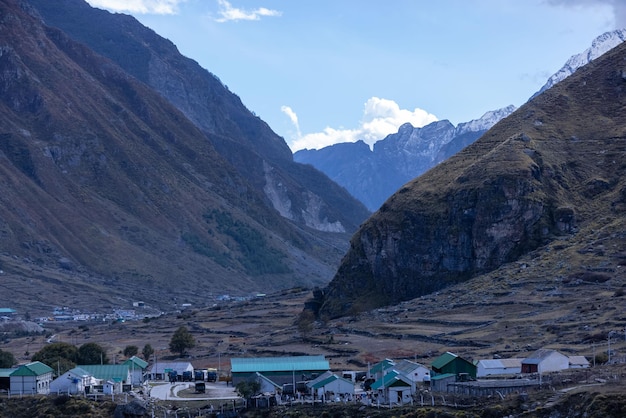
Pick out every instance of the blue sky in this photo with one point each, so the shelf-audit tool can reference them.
(326, 71)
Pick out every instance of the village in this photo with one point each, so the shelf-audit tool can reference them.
(284, 380)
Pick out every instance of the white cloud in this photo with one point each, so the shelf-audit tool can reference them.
(618, 6)
(163, 7)
(229, 13)
(293, 117)
(381, 117)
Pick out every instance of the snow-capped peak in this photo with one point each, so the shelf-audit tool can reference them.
(486, 121)
(599, 46)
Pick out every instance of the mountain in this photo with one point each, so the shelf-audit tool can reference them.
(545, 187)
(298, 192)
(374, 175)
(111, 194)
(599, 46)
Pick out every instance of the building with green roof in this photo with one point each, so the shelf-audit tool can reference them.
(30, 379)
(395, 388)
(138, 369)
(449, 363)
(280, 370)
(116, 375)
(330, 386)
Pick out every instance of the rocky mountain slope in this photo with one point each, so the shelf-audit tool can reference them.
(298, 192)
(110, 194)
(374, 175)
(554, 169)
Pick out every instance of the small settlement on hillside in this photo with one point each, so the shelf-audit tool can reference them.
(308, 378)
(398, 382)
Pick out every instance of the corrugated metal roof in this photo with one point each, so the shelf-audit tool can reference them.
(382, 366)
(164, 367)
(505, 363)
(6, 372)
(443, 359)
(540, 355)
(392, 378)
(407, 366)
(278, 364)
(578, 361)
(139, 363)
(35, 368)
(109, 372)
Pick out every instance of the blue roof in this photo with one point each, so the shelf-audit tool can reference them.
(278, 364)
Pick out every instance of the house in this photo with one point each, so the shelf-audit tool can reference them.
(415, 372)
(137, 369)
(331, 386)
(578, 362)
(280, 370)
(116, 375)
(545, 361)
(440, 382)
(381, 368)
(72, 382)
(32, 378)
(449, 363)
(394, 388)
(160, 370)
(498, 367)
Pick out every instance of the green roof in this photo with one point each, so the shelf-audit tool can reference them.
(137, 362)
(443, 376)
(112, 372)
(35, 368)
(391, 379)
(278, 364)
(443, 359)
(382, 366)
(6, 372)
(7, 311)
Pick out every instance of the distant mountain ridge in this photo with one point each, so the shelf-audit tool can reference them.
(545, 186)
(599, 46)
(374, 175)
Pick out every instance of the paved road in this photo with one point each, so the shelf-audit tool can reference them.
(217, 390)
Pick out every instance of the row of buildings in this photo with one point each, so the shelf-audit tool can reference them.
(397, 382)
(38, 378)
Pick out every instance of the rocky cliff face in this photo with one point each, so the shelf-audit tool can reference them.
(374, 175)
(237, 134)
(554, 168)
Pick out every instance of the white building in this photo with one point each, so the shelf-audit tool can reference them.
(545, 361)
(160, 370)
(72, 382)
(415, 372)
(498, 367)
(32, 378)
(329, 386)
(578, 362)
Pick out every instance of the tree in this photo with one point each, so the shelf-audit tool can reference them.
(60, 356)
(248, 388)
(147, 352)
(92, 353)
(181, 341)
(7, 360)
(131, 350)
